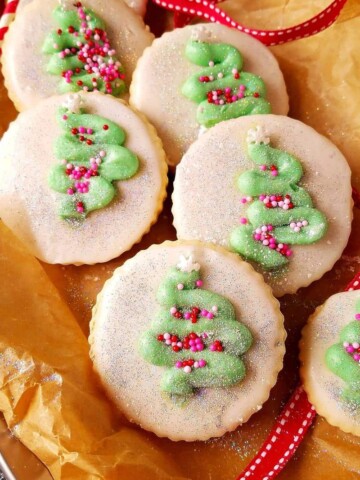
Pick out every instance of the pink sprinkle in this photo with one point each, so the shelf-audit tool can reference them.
(178, 364)
(199, 283)
(204, 313)
(102, 154)
(240, 95)
(89, 131)
(242, 87)
(180, 286)
(350, 349)
(173, 310)
(243, 200)
(70, 191)
(212, 347)
(193, 348)
(262, 198)
(187, 315)
(274, 173)
(257, 236)
(243, 220)
(199, 347)
(65, 117)
(81, 129)
(263, 168)
(210, 315)
(270, 228)
(357, 316)
(202, 363)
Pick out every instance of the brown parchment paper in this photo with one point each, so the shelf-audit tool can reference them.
(49, 396)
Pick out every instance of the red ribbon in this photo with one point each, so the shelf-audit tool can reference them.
(209, 11)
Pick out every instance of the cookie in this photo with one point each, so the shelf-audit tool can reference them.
(55, 48)
(83, 178)
(271, 189)
(330, 356)
(194, 77)
(187, 340)
(139, 6)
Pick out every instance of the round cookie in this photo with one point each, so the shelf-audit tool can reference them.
(83, 178)
(330, 355)
(139, 6)
(174, 77)
(271, 189)
(185, 328)
(56, 47)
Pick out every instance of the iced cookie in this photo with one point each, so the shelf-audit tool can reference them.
(69, 46)
(271, 189)
(139, 6)
(330, 356)
(187, 340)
(194, 77)
(83, 177)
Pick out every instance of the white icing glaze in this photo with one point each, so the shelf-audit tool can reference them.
(138, 5)
(123, 311)
(209, 171)
(24, 64)
(324, 387)
(163, 68)
(30, 208)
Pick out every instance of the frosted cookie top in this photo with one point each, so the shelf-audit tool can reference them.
(264, 186)
(330, 355)
(56, 47)
(194, 77)
(83, 178)
(185, 328)
(139, 6)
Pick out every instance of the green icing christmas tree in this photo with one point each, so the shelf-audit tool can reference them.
(281, 212)
(92, 159)
(80, 52)
(343, 358)
(222, 90)
(195, 335)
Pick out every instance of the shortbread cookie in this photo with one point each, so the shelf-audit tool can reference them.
(271, 189)
(139, 6)
(69, 46)
(194, 77)
(83, 177)
(330, 355)
(187, 340)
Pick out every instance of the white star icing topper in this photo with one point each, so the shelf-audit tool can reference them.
(258, 135)
(73, 102)
(200, 33)
(187, 264)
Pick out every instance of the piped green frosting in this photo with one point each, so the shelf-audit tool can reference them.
(80, 53)
(222, 368)
(277, 174)
(343, 358)
(221, 89)
(86, 174)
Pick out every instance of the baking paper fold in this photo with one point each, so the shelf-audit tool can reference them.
(49, 395)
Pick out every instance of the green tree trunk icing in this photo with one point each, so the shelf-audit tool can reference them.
(220, 88)
(93, 157)
(281, 212)
(206, 320)
(81, 54)
(343, 358)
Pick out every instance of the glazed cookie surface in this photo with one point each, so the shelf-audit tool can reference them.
(55, 47)
(196, 76)
(330, 355)
(83, 178)
(139, 6)
(264, 186)
(187, 340)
